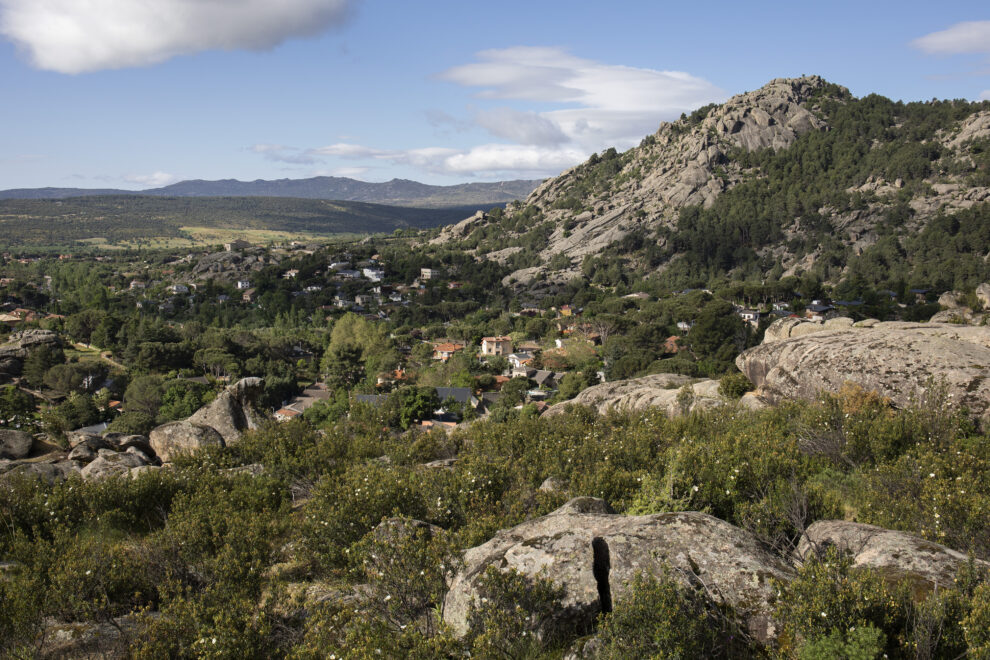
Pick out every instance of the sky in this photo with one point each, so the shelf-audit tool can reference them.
(142, 93)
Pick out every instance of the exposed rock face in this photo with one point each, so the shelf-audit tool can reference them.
(170, 440)
(894, 554)
(109, 463)
(19, 345)
(15, 444)
(233, 411)
(983, 294)
(571, 547)
(892, 358)
(660, 390)
(794, 326)
(48, 471)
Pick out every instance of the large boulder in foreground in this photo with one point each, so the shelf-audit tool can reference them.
(232, 412)
(592, 555)
(893, 359)
(185, 437)
(895, 555)
(15, 444)
(657, 390)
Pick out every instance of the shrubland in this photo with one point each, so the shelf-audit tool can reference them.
(201, 551)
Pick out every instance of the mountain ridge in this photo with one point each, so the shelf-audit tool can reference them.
(396, 192)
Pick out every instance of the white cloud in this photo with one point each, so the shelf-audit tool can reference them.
(482, 160)
(612, 105)
(591, 106)
(493, 159)
(78, 36)
(155, 180)
(985, 95)
(966, 37)
(521, 127)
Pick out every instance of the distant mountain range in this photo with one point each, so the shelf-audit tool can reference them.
(397, 192)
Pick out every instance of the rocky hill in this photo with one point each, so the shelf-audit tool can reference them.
(795, 176)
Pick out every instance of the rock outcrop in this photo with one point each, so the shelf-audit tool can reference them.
(17, 347)
(893, 359)
(176, 438)
(109, 463)
(895, 555)
(660, 390)
(983, 295)
(15, 444)
(219, 423)
(233, 411)
(593, 555)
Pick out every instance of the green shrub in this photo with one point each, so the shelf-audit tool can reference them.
(346, 507)
(733, 386)
(658, 618)
(514, 616)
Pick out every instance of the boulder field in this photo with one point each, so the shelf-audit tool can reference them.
(96, 457)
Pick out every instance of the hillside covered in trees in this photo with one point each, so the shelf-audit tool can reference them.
(798, 177)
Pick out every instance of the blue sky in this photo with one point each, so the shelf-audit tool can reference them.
(121, 93)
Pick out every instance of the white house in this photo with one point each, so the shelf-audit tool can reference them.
(373, 274)
(178, 288)
(243, 285)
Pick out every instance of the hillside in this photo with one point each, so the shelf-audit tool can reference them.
(798, 176)
(127, 219)
(397, 192)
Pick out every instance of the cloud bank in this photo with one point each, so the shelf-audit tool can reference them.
(966, 37)
(80, 36)
(597, 106)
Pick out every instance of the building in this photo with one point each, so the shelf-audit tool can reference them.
(520, 360)
(444, 351)
(751, 316)
(429, 273)
(496, 346)
(177, 289)
(235, 245)
(373, 274)
(137, 285)
(243, 284)
(290, 274)
(248, 296)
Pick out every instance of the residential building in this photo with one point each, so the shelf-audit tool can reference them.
(429, 273)
(496, 345)
(445, 350)
(518, 360)
(373, 274)
(243, 284)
